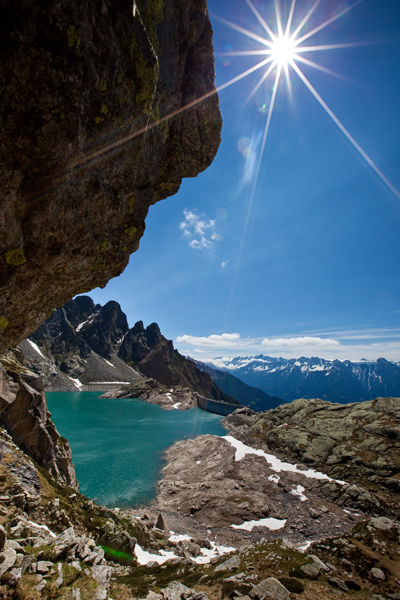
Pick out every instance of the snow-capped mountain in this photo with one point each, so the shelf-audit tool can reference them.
(315, 377)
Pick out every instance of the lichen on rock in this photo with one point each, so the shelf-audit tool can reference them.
(94, 130)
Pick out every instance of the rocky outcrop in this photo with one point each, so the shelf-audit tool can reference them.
(179, 398)
(24, 415)
(252, 494)
(359, 442)
(103, 111)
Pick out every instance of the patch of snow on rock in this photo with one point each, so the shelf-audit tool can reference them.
(36, 348)
(299, 492)
(76, 382)
(271, 523)
(276, 464)
(145, 557)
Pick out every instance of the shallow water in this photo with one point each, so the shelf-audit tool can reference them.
(118, 445)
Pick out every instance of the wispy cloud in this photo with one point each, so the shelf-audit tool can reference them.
(223, 264)
(198, 230)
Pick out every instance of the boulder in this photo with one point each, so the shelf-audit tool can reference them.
(271, 589)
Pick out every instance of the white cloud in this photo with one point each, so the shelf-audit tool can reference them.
(348, 345)
(299, 342)
(198, 230)
(225, 340)
(223, 264)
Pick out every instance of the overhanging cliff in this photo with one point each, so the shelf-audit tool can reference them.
(85, 144)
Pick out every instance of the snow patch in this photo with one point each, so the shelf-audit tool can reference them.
(36, 348)
(32, 524)
(108, 382)
(179, 537)
(276, 464)
(108, 362)
(274, 478)
(299, 492)
(175, 406)
(144, 557)
(303, 547)
(271, 523)
(76, 382)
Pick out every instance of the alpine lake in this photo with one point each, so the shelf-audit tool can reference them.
(118, 445)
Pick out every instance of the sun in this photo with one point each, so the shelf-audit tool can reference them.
(283, 50)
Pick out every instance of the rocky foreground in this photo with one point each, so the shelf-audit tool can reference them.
(289, 503)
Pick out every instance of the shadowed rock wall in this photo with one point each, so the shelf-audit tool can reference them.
(24, 414)
(83, 155)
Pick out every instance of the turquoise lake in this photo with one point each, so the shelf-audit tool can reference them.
(118, 445)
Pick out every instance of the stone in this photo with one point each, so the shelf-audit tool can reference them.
(44, 566)
(338, 583)
(161, 523)
(40, 586)
(60, 579)
(176, 591)
(382, 523)
(270, 588)
(10, 556)
(319, 562)
(15, 576)
(378, 574)
(311, 571)
(228, 565)
(3, 537)
(154, 596)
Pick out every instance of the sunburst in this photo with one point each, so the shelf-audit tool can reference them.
(282, 50)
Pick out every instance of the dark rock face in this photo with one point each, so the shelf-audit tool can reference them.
(93, 343)
(24, 415)
(87, 144)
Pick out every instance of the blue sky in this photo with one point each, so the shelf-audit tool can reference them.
(315, 272)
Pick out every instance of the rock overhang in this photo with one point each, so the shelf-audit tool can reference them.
(87, 141)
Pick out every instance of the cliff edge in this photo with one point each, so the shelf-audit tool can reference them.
(94, 130)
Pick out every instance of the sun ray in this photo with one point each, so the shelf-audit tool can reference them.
(244, 53)
(253, 191)
(305, 20)
(244, 31)
(263, 78)
(278, 19)
(290, 18)
(261, 20)
(314, 65)
(288, 82)
(330, 47)
(345, 131)
(328, 22)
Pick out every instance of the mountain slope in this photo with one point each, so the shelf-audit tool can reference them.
(255, 398)
(88, 346)
(335, 381)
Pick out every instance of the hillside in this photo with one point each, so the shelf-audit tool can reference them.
(334, 380)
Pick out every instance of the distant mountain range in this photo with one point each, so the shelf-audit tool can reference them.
(90, 347)
(315, 377)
